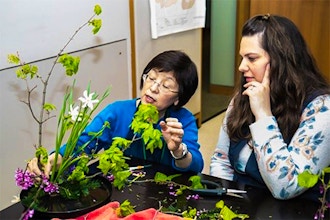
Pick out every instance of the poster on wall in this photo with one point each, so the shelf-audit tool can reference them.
(173, 16)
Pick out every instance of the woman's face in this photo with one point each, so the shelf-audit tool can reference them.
(254, 58)
(160, 89)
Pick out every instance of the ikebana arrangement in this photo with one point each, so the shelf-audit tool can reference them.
(70, 180)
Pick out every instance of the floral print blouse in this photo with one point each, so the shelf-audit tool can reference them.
(279, 164)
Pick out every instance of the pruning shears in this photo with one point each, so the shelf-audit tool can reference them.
(214, 189)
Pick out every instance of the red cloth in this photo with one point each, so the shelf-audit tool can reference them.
(108, 212)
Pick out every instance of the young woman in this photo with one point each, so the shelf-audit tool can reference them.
(167, 82)
(278, 122)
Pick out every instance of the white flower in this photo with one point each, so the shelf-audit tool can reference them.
(16, 199)
(74, 112)
(87, 100)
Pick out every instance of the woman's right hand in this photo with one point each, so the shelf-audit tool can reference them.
(33, 167)
(259, 96)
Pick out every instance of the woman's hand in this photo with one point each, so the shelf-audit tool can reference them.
(172, 132)
(259, 96)
(33, 167)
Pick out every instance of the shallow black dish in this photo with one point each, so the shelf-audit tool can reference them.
(62, 208)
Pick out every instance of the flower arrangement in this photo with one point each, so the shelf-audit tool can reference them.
(69, 178)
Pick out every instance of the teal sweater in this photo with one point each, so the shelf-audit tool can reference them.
(120, 115)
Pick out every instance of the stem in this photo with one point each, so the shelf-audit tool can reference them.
(323, 207)
(45, 82)
(28, 103)
(31, 205)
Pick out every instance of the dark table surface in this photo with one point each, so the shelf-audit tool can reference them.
(257, 203)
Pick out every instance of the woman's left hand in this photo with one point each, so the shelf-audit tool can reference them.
(259, 96)
(172, 133)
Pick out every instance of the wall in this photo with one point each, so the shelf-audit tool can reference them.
(107, 63)
(310, 16)
(312, 19)
(39, 28)
(146, 48)
(222, 54)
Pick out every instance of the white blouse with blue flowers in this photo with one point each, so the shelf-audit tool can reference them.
(279, 164)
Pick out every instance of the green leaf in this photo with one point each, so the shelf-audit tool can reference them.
(161, 177)
(220, 204)
(97, 9)
(12, 58)
(171, 177)
(120, 142)
(97, 24)
(191, 213)
(120, 178)
(143, 123)
(126, 209)
(70, 63)
(307, 179)
(326, 170)
(49, 107)
(227, 214)
(196, 182)
(26, 70)
(42, 155)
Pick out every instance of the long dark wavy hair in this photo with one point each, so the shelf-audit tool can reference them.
(294, 76)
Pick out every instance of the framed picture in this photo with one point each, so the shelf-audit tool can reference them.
(173, 16)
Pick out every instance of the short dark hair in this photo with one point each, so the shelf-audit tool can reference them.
(184, 71)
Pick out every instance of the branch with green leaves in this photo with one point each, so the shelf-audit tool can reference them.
(28, 72)
(112, 160)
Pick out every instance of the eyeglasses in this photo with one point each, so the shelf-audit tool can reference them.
(163, 86)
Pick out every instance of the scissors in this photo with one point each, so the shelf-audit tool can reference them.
(214, 189)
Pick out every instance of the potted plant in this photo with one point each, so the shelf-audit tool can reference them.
(70, 181)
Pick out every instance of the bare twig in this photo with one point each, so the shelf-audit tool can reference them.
(45, 82)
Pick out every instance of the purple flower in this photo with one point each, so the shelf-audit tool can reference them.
(321, 189)
(24, 179)
(28, 214)
(111, 177)
(195, 197)
(48, 186)
(172, 193)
